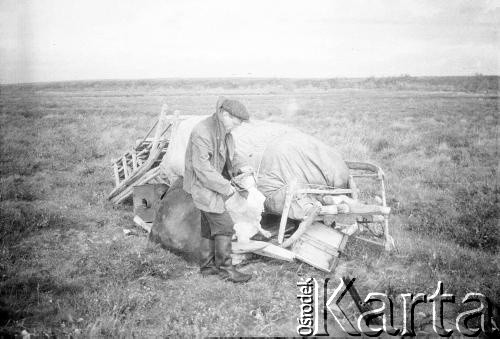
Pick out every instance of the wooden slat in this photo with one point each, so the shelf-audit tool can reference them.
(119, 160)
(290, 192)
(128, 190)
(147, 135)
(145, 225)
(134, 161)
(125, 169)
(389, 241)
(308, 220)
(364, 166)
(117, 175)
(159, 129)
(142, 152)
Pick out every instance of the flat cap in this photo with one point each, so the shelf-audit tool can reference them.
(235, 108)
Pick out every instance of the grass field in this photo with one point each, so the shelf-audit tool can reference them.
(66, 266)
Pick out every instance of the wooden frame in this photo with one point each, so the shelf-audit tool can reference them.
(140, 165)
(372, 171)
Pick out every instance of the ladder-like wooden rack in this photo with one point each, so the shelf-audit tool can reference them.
(141, 164)
(130, 161)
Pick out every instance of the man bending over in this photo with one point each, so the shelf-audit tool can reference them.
(209, 157)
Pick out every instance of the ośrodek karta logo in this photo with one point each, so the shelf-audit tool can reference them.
(313, 314)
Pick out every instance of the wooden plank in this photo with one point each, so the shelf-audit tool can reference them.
(117, 175)
(290, 192)
(125, 168)
(276, 252)
(364, 166)
(134, 161)
(159, 129)
(143, 152)
(147, 134)
(128, 190)
(119, 160)
(389, 241)
(308, 220)
(145, 225)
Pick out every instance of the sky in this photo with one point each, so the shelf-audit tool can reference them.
(55, 40)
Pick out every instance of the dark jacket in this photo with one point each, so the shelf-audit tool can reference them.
(209, 149)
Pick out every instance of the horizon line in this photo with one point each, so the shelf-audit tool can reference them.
(248, 78)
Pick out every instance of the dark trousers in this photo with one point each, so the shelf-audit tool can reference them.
(213, 224)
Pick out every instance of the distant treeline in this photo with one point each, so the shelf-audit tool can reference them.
(475, 84)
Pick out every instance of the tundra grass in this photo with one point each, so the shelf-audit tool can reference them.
(67, 267)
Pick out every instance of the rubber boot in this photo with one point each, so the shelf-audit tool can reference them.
(207, 257)
(224, 263)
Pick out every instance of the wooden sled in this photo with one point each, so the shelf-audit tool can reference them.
(141, 166)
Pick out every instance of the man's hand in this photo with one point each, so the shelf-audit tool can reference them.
(241, 192)
(231, 193)
(245, 169)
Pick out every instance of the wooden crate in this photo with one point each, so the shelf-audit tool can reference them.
(320, 246)
(145, 198)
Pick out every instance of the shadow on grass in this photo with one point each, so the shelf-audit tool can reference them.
(19, 218)
(118, 263)
(21, 297)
